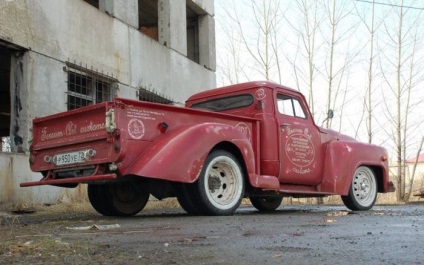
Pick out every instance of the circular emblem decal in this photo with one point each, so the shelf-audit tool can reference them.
(244, 129)
(136, 129)
(260, 94)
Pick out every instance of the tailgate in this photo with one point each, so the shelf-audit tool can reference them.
(74, 138)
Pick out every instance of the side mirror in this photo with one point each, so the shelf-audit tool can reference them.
(330, 115)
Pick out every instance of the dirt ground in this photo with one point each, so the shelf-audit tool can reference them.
(164, 234)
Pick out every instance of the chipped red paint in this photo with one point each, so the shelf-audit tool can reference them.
(279, 153)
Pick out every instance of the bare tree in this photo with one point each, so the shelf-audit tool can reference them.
(260, 41)
(334, 64)
(232, 66)
(306, 28)
(369, 99)
(404, 38)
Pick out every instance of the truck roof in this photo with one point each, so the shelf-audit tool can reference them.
(237, 87)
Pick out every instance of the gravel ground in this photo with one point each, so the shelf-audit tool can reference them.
(290, 235)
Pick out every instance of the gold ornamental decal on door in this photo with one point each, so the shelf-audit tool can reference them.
(136, 129)
(300, 150)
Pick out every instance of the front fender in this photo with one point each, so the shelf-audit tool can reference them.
(342, 158)
(179, 154)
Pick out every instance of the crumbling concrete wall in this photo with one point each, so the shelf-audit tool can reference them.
(50, 34)
(14, 172)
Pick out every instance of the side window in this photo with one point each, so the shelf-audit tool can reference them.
(290, 106)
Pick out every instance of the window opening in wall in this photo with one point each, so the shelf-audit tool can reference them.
(86, 87)
(5, 100)
(148, 18)
(152, 96)
(94, 3)
(192, 34)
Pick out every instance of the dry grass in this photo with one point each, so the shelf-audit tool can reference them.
(77, 206)
(81, 204)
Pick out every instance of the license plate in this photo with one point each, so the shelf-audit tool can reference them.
(69, 158)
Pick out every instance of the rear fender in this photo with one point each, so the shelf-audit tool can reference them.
(179, 154)
(342, 158)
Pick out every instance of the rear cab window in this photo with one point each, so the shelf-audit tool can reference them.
(225, 103)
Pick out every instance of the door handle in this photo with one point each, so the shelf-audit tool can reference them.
(285, 125)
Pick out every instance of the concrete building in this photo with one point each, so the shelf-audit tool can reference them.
(415, 168)
(60, 55)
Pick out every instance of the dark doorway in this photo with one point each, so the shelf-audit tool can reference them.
(5, 106)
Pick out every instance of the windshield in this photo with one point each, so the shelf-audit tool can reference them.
(221, 104)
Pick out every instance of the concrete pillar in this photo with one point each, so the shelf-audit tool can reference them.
(127, 10)
(207, 6)
(207, 51)
(172, 25)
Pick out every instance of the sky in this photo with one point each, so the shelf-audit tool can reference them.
(236, 25)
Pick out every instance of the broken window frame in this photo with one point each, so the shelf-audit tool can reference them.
(91, 87)
(149, 26)
(193, 34)
(151, 96)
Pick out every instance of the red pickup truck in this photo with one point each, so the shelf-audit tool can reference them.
(255, 140)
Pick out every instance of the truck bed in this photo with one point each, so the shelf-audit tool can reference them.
(114, 139)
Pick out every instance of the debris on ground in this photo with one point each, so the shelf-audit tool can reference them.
(95, 227)
(338, 213)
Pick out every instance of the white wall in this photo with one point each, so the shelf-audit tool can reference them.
(14, 171)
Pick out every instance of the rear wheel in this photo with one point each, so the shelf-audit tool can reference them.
(97, 196)
(266, 203)
(185, 201)
(363, 190)
(117, 199)
(220, 186)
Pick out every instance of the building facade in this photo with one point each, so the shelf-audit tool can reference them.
(61, 55)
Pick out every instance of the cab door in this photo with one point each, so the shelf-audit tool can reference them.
(301, 155)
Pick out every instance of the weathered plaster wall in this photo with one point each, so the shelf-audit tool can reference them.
(14, 171)
(51, 33)
(126, 11)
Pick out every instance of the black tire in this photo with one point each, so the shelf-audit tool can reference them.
(363, 190)
(185, 201)
(97, 196)
(117, 199)
(266, 203)
(219, 188)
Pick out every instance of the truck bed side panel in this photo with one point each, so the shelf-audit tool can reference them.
(180, 154)
(171, 143)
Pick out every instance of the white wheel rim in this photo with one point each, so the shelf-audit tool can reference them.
(364, 186)
(223, 182)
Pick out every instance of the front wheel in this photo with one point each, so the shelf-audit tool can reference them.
(117, 199)
(363, 190)
(266, 203)
(220, 186)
